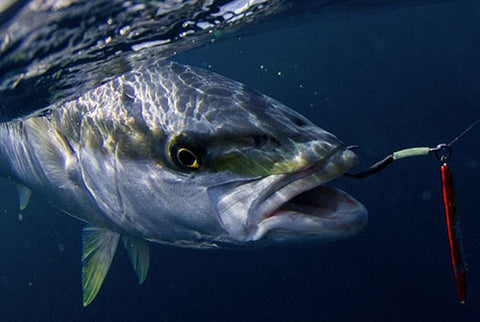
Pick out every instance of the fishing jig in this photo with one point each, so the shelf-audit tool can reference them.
(442, 152)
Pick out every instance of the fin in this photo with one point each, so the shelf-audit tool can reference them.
(24, 194)
(99, 246)
(139, 252)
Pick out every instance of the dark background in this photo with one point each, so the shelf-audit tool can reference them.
(382, 79)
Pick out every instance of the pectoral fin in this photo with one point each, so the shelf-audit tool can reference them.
(24, 195)
(139, 252)
(99, 246)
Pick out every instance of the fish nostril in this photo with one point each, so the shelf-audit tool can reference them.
(259, 140)
(263, 139)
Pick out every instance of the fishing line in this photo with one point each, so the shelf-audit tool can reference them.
(464, 132)
(442, 152)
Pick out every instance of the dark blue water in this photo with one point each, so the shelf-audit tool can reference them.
(384, 80)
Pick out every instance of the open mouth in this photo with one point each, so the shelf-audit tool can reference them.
(307, 207)
(321, 201)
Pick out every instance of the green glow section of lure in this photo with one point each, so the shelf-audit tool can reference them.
(412, 152)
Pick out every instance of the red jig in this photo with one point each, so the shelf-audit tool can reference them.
(454, 233)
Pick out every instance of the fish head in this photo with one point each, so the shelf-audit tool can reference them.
(251, 165)
(193, 157)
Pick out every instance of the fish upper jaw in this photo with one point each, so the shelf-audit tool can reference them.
(289, 206)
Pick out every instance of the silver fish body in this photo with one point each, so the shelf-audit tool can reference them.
(175, 154)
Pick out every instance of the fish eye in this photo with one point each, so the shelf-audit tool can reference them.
(185, 156)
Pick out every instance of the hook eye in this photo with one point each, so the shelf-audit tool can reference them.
(442, 152)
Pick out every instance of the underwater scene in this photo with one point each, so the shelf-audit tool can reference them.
(380, 75)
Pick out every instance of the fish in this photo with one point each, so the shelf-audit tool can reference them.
(177, 155)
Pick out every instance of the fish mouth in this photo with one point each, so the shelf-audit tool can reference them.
(308, 208)
(286, 207)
